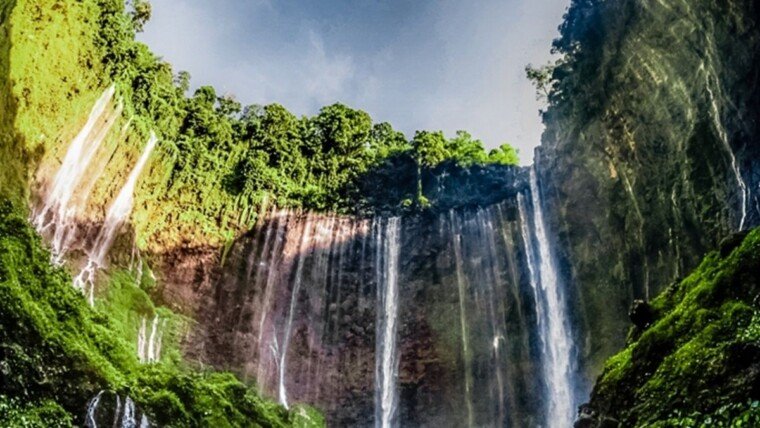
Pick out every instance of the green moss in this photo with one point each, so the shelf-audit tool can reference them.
(700, 356)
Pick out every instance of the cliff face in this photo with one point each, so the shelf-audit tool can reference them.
(298, 306)
(650, 153)
(695, 360)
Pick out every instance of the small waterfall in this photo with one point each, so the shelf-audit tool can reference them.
(106, 410)
(386, 358)
(721, 129)
(149, 346)
(61, 205)
(461, 293)
(128, 419)
(306, 243)
(117, 215)
(92, 407)
(554, 329)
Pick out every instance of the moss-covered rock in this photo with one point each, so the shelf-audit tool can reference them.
(698, 364)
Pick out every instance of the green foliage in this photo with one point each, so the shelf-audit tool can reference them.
(504, 155)
(542, 79)
(429, 148)
(141, 14)
(466, 151)
(56, 352)
(19, 414)
(697, 364)
(13, 173)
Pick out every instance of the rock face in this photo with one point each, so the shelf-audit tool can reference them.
(651, 151)
(698, 362)
(295, 303)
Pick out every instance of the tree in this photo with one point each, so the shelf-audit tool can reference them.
(428, 149)
(504, 155)
(385, 142)
(541, 77)
(182, 81)
(465, 150)
(228, 106)
(141, 13)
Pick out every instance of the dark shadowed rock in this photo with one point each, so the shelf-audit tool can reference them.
(641, 314)
(730, 242)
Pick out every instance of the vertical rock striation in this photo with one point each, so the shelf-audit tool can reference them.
(321, 309)
(650, 155)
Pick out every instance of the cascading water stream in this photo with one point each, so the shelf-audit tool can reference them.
(721, 129)
(61, 206)
(102, 412)
(551, 311)
(305, 244)
(461, 286)
(92, 407)
(128, 419)
(117, 215)
(386, 359)
(149, 346)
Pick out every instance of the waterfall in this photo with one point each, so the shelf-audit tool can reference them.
(92, 407)
(485, 221)
(60, 204)
(128, 419)
(117, 215)
(551, 311)
(310, 305)
(141, 341)
(101, 407)
(721, 129)
(386, 358)
(305, 244)
(149, 346)
(461, 286)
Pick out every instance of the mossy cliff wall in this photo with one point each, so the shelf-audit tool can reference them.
(652, 107)
(695, 359)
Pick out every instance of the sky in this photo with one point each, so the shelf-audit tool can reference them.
(417, 64)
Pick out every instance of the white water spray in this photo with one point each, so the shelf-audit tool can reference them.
(149, 346)
(128, 420)
(386, 358)
(61, 207)
(305, 243)
(461, 287)
(117, 215)
(92, 407)
(718, 123)
(551, 312)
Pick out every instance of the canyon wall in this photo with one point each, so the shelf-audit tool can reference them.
(649, 158)
(299, 306)
(651, 151)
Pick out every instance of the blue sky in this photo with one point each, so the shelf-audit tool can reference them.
(418, 64)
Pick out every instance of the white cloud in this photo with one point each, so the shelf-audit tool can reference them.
(328, 76)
